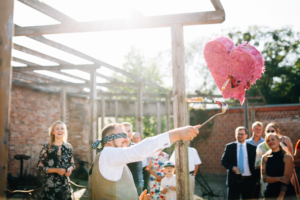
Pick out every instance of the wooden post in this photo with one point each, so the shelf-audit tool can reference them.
(136, 115)
(6, 34)
(158, 118)
(179, 108)
(187, 113)
(102, 112)
(116, 111)
(93, 122)
(139, 125)
(246, 116)
(63, 104)
(252, 115)
(168, 121)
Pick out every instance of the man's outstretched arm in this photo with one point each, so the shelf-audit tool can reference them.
(149, 146)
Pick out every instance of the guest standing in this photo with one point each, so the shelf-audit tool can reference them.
(194, 162)
(277, 168)
(157, 174)
(256, 139)
(297, 159)
(238, 159)
(136, 168)
(288, 147)
(137, 138)
(297, 154)
(168, 183)
(56, 160)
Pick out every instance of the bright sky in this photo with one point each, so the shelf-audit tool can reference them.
(112, 46)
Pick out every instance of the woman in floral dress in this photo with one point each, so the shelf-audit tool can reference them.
(56, 160)
(156, 174)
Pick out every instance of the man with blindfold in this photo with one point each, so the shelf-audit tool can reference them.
(111, 178)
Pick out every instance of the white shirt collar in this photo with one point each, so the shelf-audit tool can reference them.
(244, 144)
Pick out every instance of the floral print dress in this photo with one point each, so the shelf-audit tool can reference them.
(157, 167)
(55, 186)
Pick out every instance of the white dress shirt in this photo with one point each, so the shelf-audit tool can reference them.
(194, 158)
(145, 162)
(246, 163)
(113, 159)
(167, 182)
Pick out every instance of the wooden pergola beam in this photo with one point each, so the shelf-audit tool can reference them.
(217, 4)
(39, 75)
(186, 19)
(48, 10)
(62, 84)
(94, 60)
(38, 54)
(56, 67)
(107, 77)
(19, 60)
(6, 35)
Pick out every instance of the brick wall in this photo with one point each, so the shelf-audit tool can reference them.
(212, 140)
(32, 113)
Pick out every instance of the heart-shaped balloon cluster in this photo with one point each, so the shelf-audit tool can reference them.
(234, 68)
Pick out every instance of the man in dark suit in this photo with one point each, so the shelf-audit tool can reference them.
(239, 159)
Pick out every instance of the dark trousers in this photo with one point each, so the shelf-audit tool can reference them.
(138, 188)
(146, 178)
(257, 192)
(243, 189)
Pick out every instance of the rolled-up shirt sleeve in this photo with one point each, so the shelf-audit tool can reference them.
(112, 160)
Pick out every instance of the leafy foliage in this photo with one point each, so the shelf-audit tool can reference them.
(281, 51)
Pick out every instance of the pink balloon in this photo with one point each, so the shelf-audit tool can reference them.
(239, 65)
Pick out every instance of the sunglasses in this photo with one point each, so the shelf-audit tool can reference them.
(271, 131)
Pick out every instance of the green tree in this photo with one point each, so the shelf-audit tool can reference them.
(281, 50)
(147, 69)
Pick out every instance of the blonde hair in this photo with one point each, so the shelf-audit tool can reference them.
(126, 124)
(136, 133)
(280, 145)
(52, 137)
(257, 123)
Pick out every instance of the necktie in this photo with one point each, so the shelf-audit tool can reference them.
(241, 159)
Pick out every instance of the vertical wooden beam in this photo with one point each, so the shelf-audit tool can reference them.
(168, 120)
(63, 104)
(136, 115)
(179, 108)
(93, 121)
(158, 118)
(102, 112)
(252, 116)
(6, 34)
(116, 111)
(187, 113)
(246, 116)
(139, 125)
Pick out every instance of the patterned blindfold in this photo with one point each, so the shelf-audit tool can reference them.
(108, 138)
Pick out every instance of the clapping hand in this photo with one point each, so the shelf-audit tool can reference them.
(145, 196)
(61, 171)
(69, 172)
